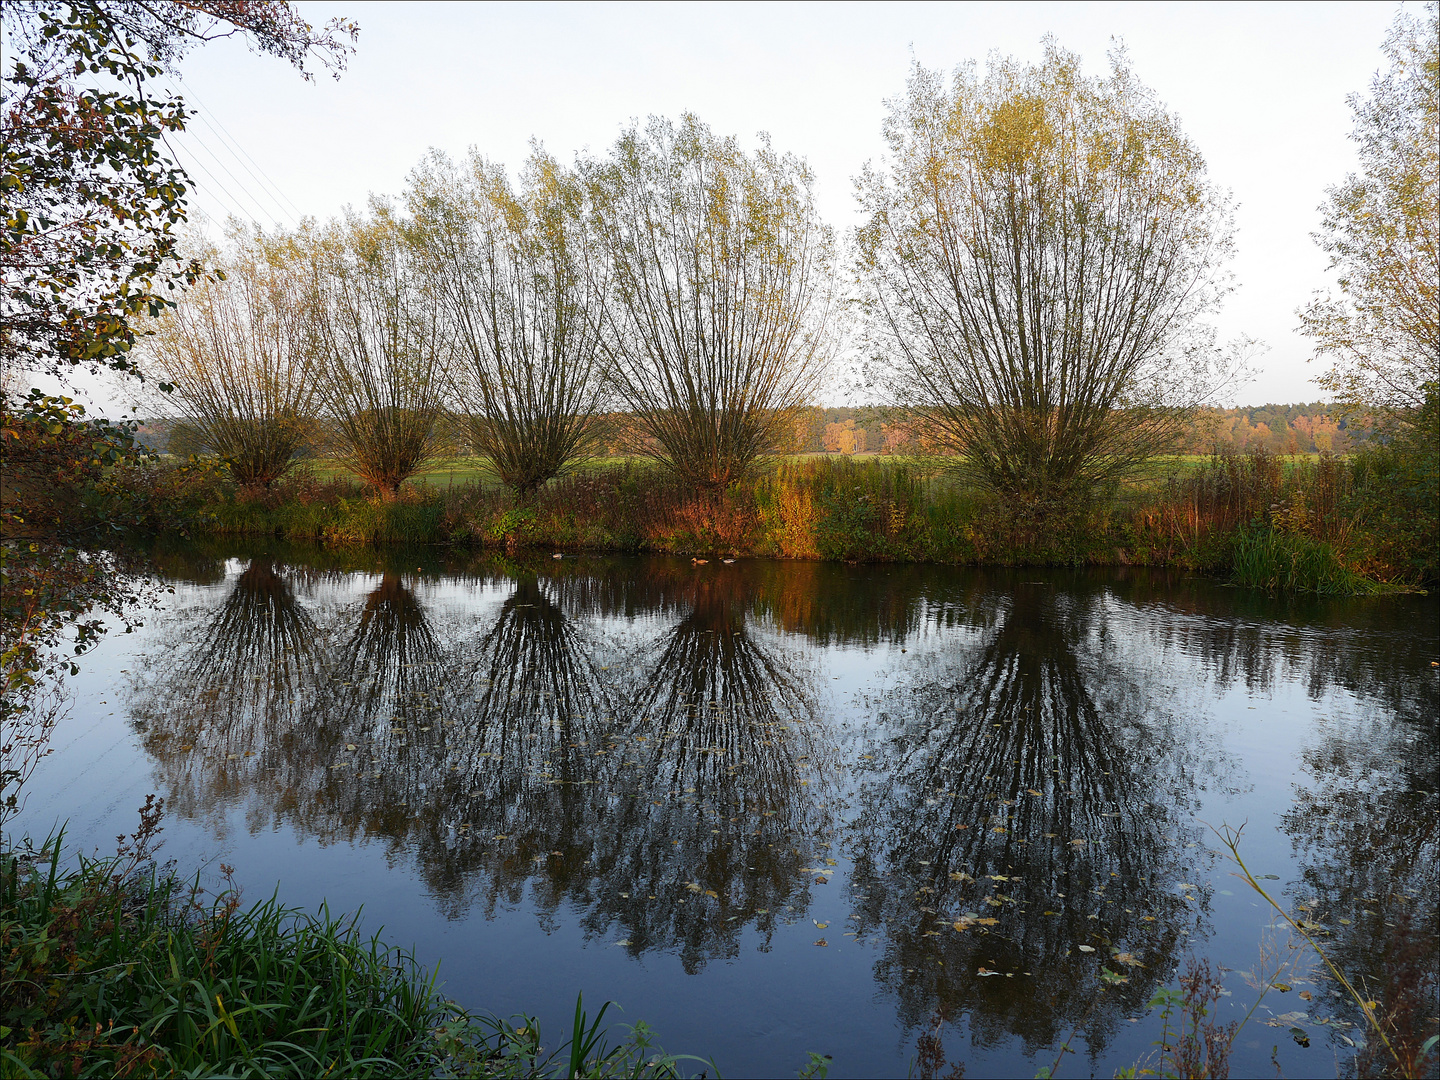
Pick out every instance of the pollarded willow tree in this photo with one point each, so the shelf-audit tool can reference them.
(721, 276)
(522, 308)
(1381, 229)
(239, 353)
(1038, 261)
(381, 348)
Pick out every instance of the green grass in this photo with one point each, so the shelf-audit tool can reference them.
(1292, 562)
(106, 970)
(450, 472)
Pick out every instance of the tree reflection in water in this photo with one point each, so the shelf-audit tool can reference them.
(227, 711)
(661, 791)
(718, 782)
(1367, 832)
(635, 743)
(1031, 780)
(517, 793)
(674, 789)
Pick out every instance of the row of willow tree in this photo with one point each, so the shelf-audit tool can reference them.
(681, 280)
(1034, 271)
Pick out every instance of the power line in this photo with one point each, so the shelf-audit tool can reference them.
(241, 154)
(236, 182)
(239, 184)
(229, 202)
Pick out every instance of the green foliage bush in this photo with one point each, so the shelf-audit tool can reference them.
(1397, 494)
(1293, 562)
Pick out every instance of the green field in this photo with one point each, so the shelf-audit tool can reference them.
(461, 471)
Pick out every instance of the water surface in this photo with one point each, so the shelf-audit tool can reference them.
(772, 807)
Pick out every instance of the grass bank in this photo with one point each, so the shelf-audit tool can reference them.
(111, 967)
(1327, 524)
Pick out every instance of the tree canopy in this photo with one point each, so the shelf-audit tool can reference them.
(238, 351)
(720, 293)
(1038, 259)
(523, 306)
(1381, 229)
(92, 198)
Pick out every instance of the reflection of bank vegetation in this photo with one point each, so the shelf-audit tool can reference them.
(1367, 831)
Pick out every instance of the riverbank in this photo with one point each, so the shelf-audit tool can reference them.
(1328, 525)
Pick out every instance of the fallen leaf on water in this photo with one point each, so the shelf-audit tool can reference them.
(820, 925)
(822, 943)
(988, 922)
(1086, 948)
(1077, 843)
(1305, 995)
(623, 941)
(1032, 791)
(983, 972)
(351, 746)
(693, 887)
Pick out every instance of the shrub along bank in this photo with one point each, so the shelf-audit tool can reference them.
(1330, 525)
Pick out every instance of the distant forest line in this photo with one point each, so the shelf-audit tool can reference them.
(1303, 428)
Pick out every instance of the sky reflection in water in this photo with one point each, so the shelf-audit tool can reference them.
(809, 806)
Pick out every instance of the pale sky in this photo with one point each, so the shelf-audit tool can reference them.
(1259, 88)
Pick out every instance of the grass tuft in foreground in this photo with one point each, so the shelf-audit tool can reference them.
(111, 969)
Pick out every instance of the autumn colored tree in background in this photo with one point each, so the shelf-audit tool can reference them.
(240, 355)
(382, 348)
(1381, 230)
(522, 306)
(720, 274)
(1039, 260)
(92, 199)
